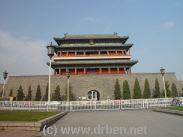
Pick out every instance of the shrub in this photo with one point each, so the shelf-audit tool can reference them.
(11, 93)
(156, 92)
(137, 90)
(38, 93)
(20, 94)
(45, 97)
(147, 91)
(117, 91)
(174, 90)
(57, 96)
(126, 90)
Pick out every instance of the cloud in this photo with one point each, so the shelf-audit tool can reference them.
(21, 55)
(168, 25)
(89, 19)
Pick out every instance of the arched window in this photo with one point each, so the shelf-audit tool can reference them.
(93, 95)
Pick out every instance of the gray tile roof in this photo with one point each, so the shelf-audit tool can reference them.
(124, 46)
(60, 40)
(94, 62)
(91, 36)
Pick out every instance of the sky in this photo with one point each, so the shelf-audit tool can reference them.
(155, 27)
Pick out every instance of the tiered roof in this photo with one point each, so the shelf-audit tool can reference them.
(92, 41)
(67, 37)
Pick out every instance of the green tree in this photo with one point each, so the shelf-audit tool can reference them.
(137, 90)
(1, 93)
(168, 91)
(45, 97)
(147, 91)
(126, 90)
(117, 91)
(29, 94)
(156, 91)
(20, 94)
(57, 93)
(11, 93)
(174, 90)
(38, 93)
(71, 94)
(53, 97)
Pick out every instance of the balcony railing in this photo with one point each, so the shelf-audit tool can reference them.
(91, 55)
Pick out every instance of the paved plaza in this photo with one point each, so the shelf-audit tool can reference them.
(117, 123)
(18, 133)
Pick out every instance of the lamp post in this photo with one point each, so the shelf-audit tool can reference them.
(50, 49)
(68, 76)
(5, 75)
(162, 70)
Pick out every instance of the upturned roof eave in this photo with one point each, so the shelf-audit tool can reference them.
(91, 37)
(68, 63)
(60, 39)
(125, 46)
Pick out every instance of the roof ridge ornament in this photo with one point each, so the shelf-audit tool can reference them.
(115, 34)
(65, 34)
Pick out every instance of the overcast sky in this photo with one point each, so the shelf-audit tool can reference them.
(155, 28)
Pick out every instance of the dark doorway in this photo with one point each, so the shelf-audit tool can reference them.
(93, 95)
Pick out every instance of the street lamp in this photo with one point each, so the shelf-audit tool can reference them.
(68, 76)
(51, 51)
(162, 70)
(5, 75)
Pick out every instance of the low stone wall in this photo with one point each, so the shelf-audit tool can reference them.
(174, 112)
(36, 126)
(82, 84)
(50, 120)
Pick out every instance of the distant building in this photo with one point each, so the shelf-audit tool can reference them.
(92, 54)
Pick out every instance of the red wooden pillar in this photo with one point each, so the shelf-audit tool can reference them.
(117, 70)
(116, 52)
(100, 70)
(107, 52)
(59, 71)
(109, 70)
(76, 71)
(125, 70)
(84, 70)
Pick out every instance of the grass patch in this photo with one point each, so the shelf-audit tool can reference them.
(176, 108)
(24, 115)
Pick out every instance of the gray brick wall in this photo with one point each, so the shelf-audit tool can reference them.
(180, 84)
(82, 84)
(1, 87)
